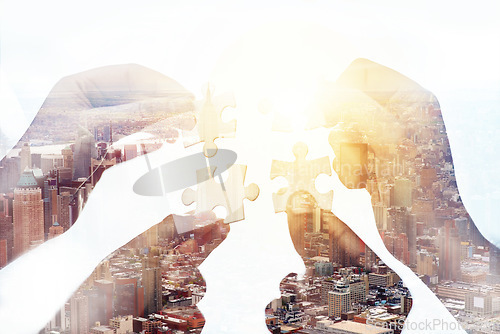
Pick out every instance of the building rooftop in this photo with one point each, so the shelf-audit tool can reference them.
(27, 179)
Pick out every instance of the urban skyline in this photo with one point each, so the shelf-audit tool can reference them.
(416, 205)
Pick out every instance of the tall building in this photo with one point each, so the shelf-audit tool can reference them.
(449, 252)
(426, 264)
(100, 299)
(397, 245)
(3, 253)
(25, 155)
(380, 213)
(64, 209)
(354, 165)
(358, 289)
(427, 177)
(339, 300)
(402, 193)
(406, 304)
(10, 173)
(55, 230)
(129, 152)
(370, 258)
(129, 297)
(462, 225)
(301, 213)
(84, 151)
(424, 210)
(79, 318)
(6, 225)
(59, 323)
(344, 245)
(402, 221)
(27, 213)
(49, 195)
(107, 134)
(411, 234)
(151, 281)
(67, 154)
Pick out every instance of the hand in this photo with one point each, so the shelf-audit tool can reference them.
(114, 214)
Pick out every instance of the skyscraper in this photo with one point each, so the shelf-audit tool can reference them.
(380, 213)
(129, 152)
(411, 233)
(106, 133)
(63, 209)
(84, 151)
(427, 177)
(301, 215)
(101, 301)
(151, 281)
(10, 173)
(25, 155)
(3, 253)
(462, 223)
(67, 154)
(27, 213)
(397, 245)
(79, 308)
(402, 193)
(344, 245)
(129, 297)
(449, 252)
(48, 191)
(6, 224)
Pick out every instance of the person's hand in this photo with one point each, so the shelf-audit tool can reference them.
(114, 213)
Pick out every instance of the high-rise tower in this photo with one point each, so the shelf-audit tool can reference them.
(449, 252)
(84, 151)
(27, 213)
(25, 155)
(151, 281)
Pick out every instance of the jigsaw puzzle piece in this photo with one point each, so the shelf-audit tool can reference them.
(229, 194)
(209, 122)
(301, 175)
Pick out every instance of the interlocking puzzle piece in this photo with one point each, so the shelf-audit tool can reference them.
(301, 175)
(209, 124)
(229, 194)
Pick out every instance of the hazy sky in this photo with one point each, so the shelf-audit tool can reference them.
(442, 45)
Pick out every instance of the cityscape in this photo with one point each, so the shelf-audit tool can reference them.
(389, 138)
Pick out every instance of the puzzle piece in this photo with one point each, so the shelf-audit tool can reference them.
(301, 175)
(229, 194)
(209, 124)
